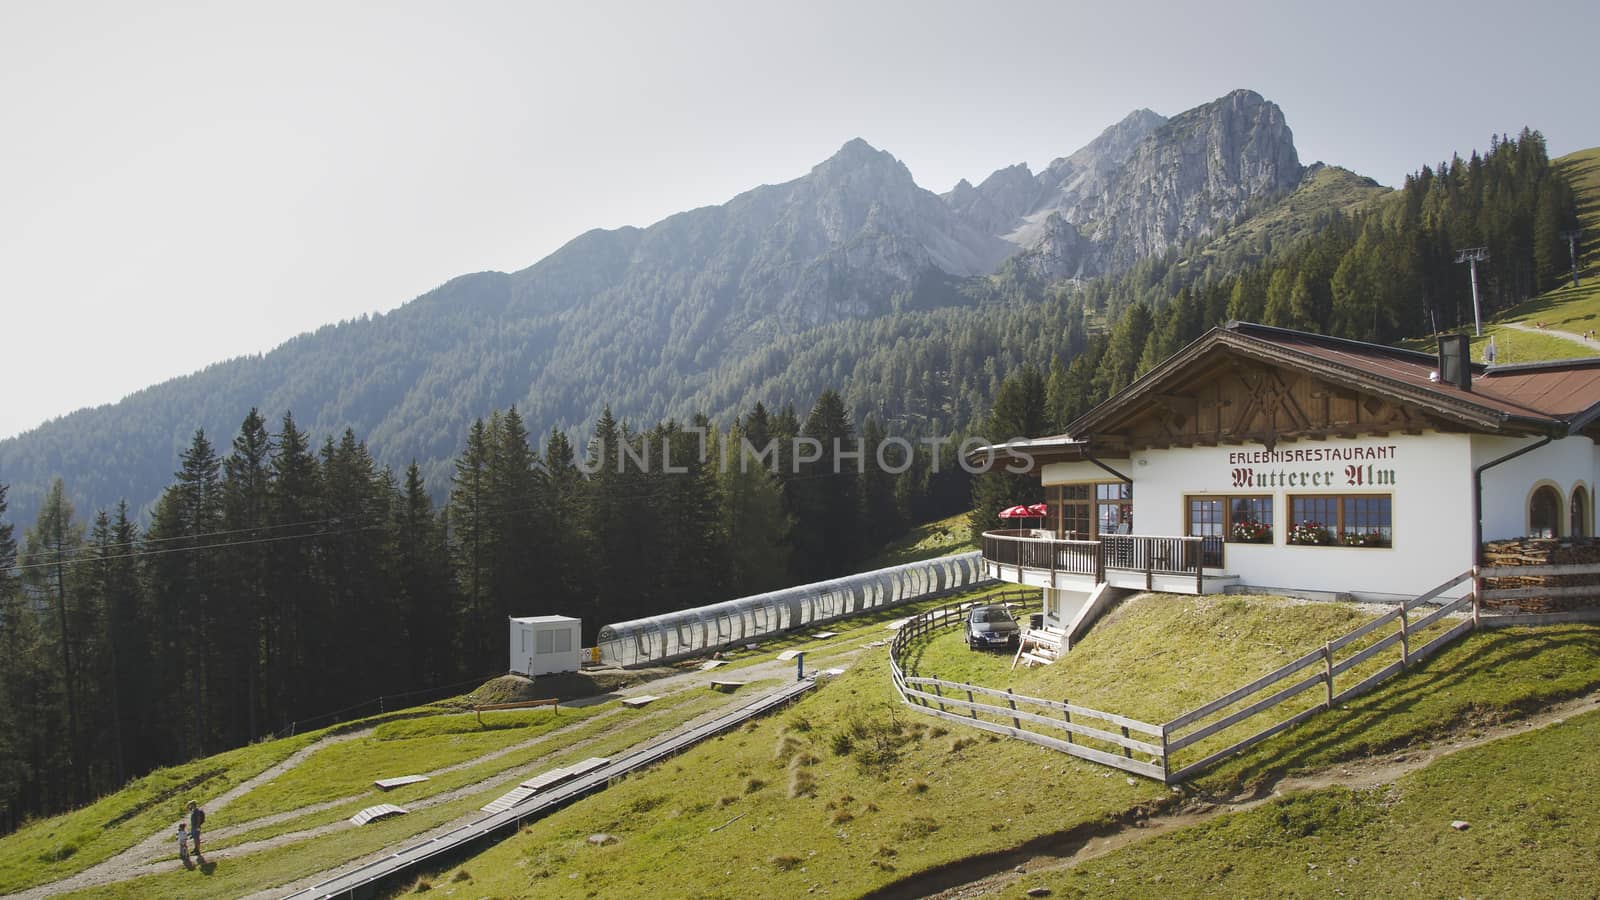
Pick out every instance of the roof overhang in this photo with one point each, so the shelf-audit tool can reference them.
(1451, 404)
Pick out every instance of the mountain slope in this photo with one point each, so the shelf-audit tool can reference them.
(648, 320)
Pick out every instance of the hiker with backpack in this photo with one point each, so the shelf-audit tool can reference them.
(197, 817)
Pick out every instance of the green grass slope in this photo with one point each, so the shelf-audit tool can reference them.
(927, 541)
(1569, 309)
(848, 792)
(1533, 831)
(1286, 220)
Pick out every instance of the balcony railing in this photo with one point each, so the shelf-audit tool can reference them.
(1147, 554)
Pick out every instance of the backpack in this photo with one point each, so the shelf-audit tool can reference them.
(198, 817)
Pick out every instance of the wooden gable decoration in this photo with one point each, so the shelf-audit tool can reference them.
(1227, 399)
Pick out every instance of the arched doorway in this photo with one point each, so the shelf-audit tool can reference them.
(1580, 512)
(1544, 512)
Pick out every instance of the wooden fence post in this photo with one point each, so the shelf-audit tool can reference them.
(1327, 670)
(1126, 751)
(1477, 592)
(972, 710)
(1067, 714)
(939, 693)
(1015, 722)
(1166, 770)
(1405, 637)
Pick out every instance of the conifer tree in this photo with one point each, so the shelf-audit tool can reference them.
(55, 539)
(293, 602)
(825, 491)
(245, 509)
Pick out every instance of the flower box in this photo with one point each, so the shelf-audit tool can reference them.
(1313, 534)
(1249, 531)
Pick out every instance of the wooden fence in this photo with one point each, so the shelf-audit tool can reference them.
(1040, 721)
(1059, 725)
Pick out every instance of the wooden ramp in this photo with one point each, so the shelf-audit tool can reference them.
(544, 782)
(374, 813)
(508, 799)
(727, 687)
(389, 784)
(641, 700)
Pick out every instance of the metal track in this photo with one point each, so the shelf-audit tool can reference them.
(361, 882)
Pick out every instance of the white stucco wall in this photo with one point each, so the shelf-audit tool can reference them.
(1507, 487)
(1432, 501)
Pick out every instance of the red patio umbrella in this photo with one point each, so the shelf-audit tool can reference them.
(1036, 511)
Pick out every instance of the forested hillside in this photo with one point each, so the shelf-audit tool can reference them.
(648, 321)
(283, 579)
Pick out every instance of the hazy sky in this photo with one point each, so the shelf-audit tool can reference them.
(182, 186)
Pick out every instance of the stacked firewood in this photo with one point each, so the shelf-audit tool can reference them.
(1543, 552)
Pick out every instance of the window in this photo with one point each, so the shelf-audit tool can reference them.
(1349, 520)
(1114, 508)
(1544, 512)
(1070, 502)
(563, 641)
(524, 640)
(1580, 512)
(545, 638)
(1246, 520)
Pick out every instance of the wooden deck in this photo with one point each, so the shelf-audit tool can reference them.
(1175, 565)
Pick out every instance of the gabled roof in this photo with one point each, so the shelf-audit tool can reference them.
(1555, 398)
(1404, 376)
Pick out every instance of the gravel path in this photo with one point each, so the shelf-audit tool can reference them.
(1568, 336)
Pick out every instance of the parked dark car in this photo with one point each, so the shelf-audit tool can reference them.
(992, 626)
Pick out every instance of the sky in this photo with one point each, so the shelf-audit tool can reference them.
(183, 183)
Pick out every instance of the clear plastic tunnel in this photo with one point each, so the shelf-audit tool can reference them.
(693, 632)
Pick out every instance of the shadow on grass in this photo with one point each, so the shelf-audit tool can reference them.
(1356, 729)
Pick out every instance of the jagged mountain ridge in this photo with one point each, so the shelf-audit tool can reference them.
(643, 318)
(1143, 185)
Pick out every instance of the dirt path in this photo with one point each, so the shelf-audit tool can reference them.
(1568, 336)
(982, 876)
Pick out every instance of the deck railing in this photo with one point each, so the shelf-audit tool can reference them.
(1150, 554)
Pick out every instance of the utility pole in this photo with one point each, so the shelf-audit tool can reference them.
(1571, 237)
(1472, 256)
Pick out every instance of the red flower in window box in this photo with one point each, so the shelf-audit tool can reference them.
(1310, 533)
(1364, 539)
(1249, 531)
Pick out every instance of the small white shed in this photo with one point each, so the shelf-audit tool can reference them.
(542, 645)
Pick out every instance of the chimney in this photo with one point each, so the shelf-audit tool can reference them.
(1455, 363)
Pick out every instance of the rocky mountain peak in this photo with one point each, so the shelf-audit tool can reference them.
(1147, 184)
(857, 156)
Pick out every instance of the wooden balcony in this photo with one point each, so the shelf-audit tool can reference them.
(1184, 565)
